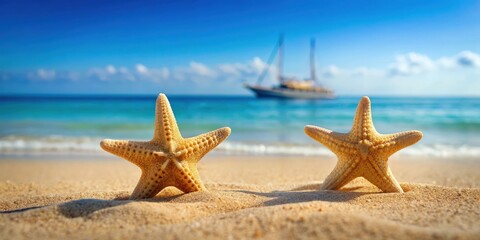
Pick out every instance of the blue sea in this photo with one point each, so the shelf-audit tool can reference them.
(67, 124)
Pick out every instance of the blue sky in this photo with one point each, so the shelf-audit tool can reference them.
(210, 47)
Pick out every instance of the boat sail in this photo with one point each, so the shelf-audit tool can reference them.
(290, 87)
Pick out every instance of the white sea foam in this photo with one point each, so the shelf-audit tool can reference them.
(311, 150)
(14, 144)
(61, 144)
(272, 149)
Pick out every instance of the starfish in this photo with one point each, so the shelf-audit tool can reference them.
(363, 152)
(168, 159)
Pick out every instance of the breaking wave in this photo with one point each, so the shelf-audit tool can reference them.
(61, 144)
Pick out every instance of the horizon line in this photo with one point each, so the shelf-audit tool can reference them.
(176, 95)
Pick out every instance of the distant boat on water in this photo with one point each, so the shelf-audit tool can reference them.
(290, 87)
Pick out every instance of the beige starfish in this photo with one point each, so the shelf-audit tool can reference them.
(168, 159)
(363, 152)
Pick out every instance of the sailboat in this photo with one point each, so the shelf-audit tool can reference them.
(290, 87)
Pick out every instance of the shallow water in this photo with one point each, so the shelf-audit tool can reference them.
(261, 126)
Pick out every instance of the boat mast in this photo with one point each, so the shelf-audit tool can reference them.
(280, 58)
(312, 60)
(277, 48)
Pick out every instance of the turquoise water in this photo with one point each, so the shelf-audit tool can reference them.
(262, 126)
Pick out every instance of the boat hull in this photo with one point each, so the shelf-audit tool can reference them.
(284, 93)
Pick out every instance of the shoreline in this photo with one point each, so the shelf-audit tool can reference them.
(254, 150)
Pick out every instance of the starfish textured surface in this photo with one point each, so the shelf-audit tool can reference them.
(363, 152)
(168, 159)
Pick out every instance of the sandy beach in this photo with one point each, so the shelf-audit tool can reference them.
(249, 197)
(239, 120)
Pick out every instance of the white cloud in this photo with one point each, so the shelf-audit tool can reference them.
(330, 71)
(74, 76)
(195, 71)
(415, 63)
(447, 62)
(468, 59)
(462, 59)
(111, 69)
(165, 73)
(158, 74)
(108, 73)
(445, 75)
(258, 65)
(232, 68)
(141, 68)
(179, 74)
(99, 73)
(410, 64)
(124, 73)
(200, 69)
(368, 72)
(247, 72)
(45, 74)
(123, 70)
(410, 74)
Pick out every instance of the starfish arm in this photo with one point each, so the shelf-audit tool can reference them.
(195, 148)
(188, 179)
(343, 173)
(380, 175)
(336, 142)
(139, 153)
(150, 184)
(363, 126)
(391, 143)
(166, 129)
